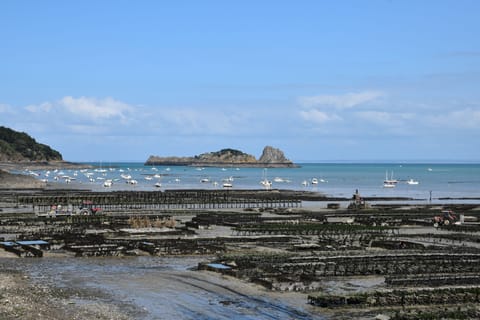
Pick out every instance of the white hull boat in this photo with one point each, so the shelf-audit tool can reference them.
(412, 182)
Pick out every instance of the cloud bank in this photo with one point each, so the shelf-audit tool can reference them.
(115, 126)
(345, 101)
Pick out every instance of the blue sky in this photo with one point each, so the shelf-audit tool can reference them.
(321, 80)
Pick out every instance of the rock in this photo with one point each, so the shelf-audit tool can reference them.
(273, 155)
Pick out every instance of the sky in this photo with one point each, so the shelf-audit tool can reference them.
(373, 80)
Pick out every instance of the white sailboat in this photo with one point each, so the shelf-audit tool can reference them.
(389, 183)
(391, 180)
(265, 182)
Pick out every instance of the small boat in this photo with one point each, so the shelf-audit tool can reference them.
(107, 183)
(148, 178)
(304, 183)
(158, 185)
(266, 183)
(389, 184)
(205, 180)
(126, 176)
(132, 181)
(412, 182)
(227, 185)
(314, 181)
(278, 179)
(391, 180)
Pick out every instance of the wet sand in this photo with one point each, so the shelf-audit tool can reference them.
(144, 288)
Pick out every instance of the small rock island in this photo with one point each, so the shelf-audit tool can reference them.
(271, 158)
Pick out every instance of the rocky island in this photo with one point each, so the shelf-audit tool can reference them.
(270, 158)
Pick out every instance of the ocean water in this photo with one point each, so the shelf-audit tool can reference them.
(334, 179)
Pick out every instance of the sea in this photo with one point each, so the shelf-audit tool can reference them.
(435, 180)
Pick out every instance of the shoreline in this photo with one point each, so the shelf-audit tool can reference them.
(42, 165)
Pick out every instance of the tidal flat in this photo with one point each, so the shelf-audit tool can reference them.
(218, 254)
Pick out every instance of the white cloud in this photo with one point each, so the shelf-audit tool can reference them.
(86, 129)
(190, 121)
(384, 118)
(96, 109)
(460, 119)
(344, 101)
(5, 108)
(317, 116)
(43, 107)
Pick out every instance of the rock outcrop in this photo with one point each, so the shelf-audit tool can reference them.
(271, 157)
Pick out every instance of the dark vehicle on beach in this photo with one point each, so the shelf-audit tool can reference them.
(88, 208)
(447, 217)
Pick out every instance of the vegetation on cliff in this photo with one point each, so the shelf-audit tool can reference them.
(19, 146)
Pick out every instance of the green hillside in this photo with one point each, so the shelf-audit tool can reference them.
(19, 146)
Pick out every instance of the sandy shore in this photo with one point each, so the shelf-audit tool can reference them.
(8, 180)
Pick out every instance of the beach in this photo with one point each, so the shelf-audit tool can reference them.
(142, 288)
(243, 254)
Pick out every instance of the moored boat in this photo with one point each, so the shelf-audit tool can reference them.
(412, 182)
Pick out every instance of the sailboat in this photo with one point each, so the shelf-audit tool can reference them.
(389, 183)
(265, 182)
